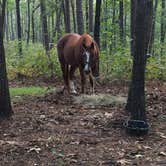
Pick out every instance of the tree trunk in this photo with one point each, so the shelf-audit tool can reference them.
(12, 26)
(132, 24)
(113, 25)
(45, 34)
(7, 24)
(80, 22)
(67, 16)
(28, 28)
(153, 26)
(32, 21)
(19, 26)
(136, 100)
(52, 26)
(91, 16)
(105, 24)
(121, 28)
(73, 13)
(97, 22)
(162, 26)
(86, 16)
(5, 104)
(57, 31)
(44, 25)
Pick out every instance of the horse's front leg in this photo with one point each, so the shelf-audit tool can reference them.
(83, 80)
(67, 86)
(92, 82)
(72, 87)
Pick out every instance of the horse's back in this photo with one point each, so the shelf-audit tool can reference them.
(66, 46)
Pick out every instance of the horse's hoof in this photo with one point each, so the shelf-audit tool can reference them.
(74, 92)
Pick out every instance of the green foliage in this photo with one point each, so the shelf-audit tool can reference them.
(33, 63)
(156, 68)
(114, 65)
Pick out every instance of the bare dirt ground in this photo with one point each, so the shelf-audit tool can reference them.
(53, 130)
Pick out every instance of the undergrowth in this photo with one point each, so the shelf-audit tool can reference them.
(115, 65)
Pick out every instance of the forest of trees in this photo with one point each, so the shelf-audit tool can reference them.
(34, 20)
(42, 125)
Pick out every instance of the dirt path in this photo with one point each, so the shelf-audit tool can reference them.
(53, 131)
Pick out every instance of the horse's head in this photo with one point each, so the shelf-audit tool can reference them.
(90, 56)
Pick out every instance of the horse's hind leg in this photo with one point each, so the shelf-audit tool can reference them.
(72, 88)
(92, 82)
(65, 72)
(67, 78)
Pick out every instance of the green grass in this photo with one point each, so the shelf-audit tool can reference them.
(18, 93)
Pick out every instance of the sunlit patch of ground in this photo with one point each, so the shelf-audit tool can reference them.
(99, 100)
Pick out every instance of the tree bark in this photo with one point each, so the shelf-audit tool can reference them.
(142, 21)
(80, 21)
(5, 103)
(105, 24)
(91, 16)
(121, 27)
(32, 22)
(45, 34)
(113, 25)
(57, 30)
(162, 26)
(28, 28)
(7, 24)
(153, 26)
(67, 16)
(86, 16)
(19, 33)
(73, 13)
(12, 26)
(97, 22)
(132, 24)
(44, 25)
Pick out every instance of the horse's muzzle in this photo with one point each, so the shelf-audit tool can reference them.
(86, 72)
(87, 69)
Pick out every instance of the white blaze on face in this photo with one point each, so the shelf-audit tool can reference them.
(87, 61)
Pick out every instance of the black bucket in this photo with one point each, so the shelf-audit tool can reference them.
(136, 127)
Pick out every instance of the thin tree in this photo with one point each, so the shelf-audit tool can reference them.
(97, 22)
(143, 22)
(80, 21)
(57, 30)
(45, 33)
(19, 32)
(153, 26)
(73, 14)
(44, 25)
(7, 23)
(86, 16)
(12, 26)
(113, 40)
(5, 104)
(162, 38)
(90, 16)
(67, 16)
(132, 24)
(121, 26)
(29, 16)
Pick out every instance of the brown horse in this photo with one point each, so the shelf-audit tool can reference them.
(78, 51)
